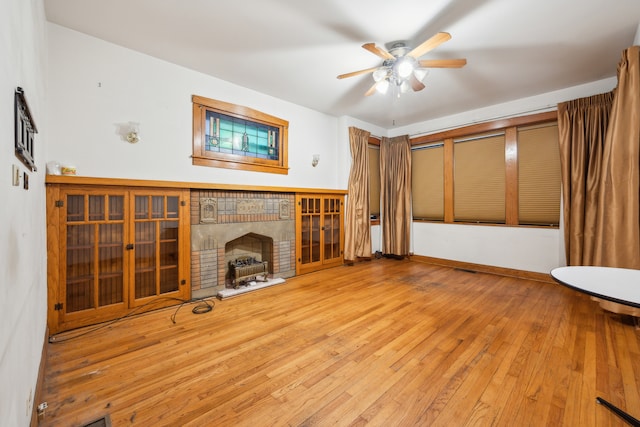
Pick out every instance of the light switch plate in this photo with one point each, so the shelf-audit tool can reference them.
(15, 180)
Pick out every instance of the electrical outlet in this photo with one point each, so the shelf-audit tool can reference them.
(41, 410)
(15, 180)
(29, 401)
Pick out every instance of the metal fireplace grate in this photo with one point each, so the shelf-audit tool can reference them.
(245, 268)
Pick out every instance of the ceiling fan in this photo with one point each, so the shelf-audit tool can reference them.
(402, 67)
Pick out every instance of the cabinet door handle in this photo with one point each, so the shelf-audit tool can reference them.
(129, 247)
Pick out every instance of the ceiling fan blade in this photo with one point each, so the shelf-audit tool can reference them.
(371, 90)
(371, 47)
(357, 73)
(442, 63)
(429, 44)
(416, 84)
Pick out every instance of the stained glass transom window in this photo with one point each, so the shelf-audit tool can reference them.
(232, 135)
(236, 137)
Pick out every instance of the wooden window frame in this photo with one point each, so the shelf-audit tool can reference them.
(202, 157)
(509, 126)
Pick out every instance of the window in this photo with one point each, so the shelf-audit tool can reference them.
(427, 182)
(539, 175)
(236, 137)
(479, 179)
(501, 172)
(374, 180)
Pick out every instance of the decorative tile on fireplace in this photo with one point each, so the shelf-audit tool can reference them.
(230, 224)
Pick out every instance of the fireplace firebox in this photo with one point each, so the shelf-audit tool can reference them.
(247, 268)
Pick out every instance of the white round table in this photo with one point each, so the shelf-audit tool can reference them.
(609, 284)
(620, 285)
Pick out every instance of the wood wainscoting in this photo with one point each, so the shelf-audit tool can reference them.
(381, 343)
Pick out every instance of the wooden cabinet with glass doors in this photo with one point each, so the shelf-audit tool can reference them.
(319, 231)
(113, 250)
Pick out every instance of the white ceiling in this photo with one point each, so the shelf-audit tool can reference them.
(294, 49)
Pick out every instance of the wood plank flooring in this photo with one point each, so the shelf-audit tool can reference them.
(381, 343)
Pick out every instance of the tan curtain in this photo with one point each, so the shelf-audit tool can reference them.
(599, 153)
(395, 195)
(357, 234)
(582, 126)
(618, 221)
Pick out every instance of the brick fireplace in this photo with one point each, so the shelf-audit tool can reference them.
(226, 225)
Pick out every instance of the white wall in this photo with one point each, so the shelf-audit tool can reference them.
(520, 107)
(522, 248)
(95, 86)
(23, 275)
(529, 249)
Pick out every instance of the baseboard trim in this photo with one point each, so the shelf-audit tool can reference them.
(481, 268)
(39, 392)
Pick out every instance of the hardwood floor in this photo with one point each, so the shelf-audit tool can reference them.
(381, 343)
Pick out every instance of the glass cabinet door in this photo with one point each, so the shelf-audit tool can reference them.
(310, 229)
(95, 233)
(319, 240)
(332, 231)
(156, 243)
(113, 248)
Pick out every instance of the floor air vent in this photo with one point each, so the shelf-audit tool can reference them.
(100, 422)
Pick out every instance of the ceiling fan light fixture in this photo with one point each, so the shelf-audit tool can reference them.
(380, 74)
(404, 67)
(382, 86)
(420, 73)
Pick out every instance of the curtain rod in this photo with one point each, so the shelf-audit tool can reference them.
(506, 116)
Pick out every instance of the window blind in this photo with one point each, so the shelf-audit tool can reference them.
(539, 175)
(427, 182)
(374, 180)
(479, 179)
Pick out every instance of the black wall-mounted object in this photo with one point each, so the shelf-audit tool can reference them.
(25, 131)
